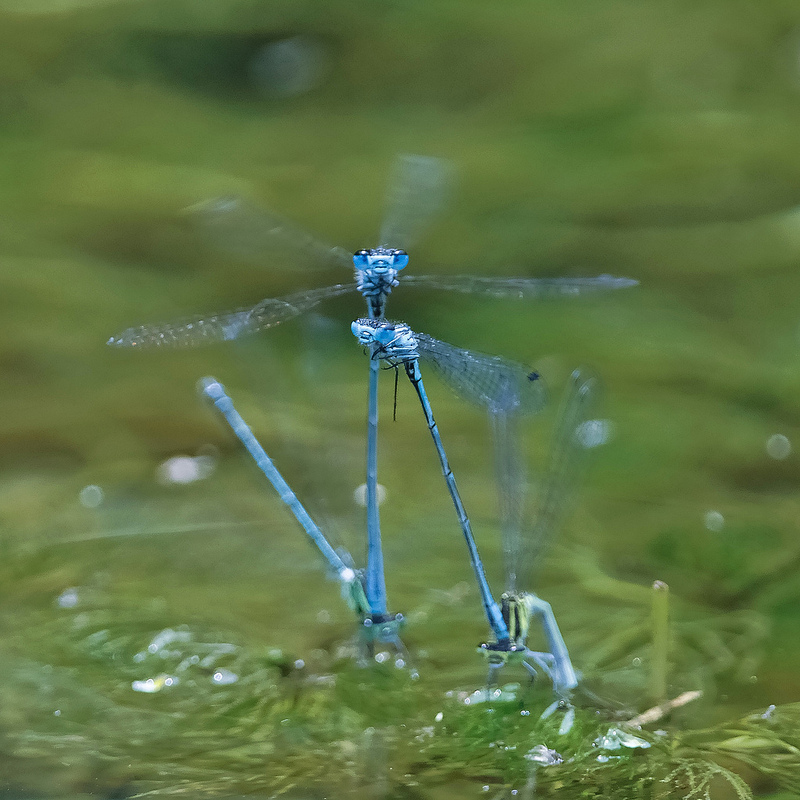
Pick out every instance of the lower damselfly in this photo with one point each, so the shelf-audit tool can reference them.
(506, 390)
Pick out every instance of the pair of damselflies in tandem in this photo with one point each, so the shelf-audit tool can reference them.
(510, 620)
(506, 390)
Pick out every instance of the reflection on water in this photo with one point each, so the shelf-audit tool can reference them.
(599, 139)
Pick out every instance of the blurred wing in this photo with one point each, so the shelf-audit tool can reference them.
(521, 288)
(417, 192)
(227, 325)
(511, 477)
(559, 482)
(239, 228)
(498, 385)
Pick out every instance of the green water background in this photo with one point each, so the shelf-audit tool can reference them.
(655, 140)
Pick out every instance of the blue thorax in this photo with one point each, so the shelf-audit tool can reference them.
(395, 342)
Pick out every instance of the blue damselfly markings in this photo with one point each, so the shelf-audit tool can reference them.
(507, 390)
(416, 193)
(383, 628)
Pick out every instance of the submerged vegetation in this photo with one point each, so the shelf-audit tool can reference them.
(113, 695)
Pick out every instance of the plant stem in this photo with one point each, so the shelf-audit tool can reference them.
(660, 612)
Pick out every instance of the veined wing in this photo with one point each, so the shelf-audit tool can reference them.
(227, 325)
(523, 549)
(417, 191)
(499, 385)
(243, 229)
(512, 479)
(521, 288)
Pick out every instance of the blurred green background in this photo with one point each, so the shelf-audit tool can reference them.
(655, 140)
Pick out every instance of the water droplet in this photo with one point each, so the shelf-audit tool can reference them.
(594, 432)
(68, 598)
(440, 716)
(224, 677)
(714, 521)
(185, 469)
(615, 738)
(299, 663)
(778, 447)
(542, 754)
(91, 496)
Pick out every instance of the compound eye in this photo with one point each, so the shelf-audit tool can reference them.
(361, 259)
(400, 259)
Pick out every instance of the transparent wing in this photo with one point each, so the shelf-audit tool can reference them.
(417, 191)
(523, 549)
(511, 477)
(500, 386)
(245, 230)
(522, 288)
(227, 325)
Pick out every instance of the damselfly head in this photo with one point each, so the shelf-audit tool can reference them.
(380, 258)
(393, 342)
(363, 332)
